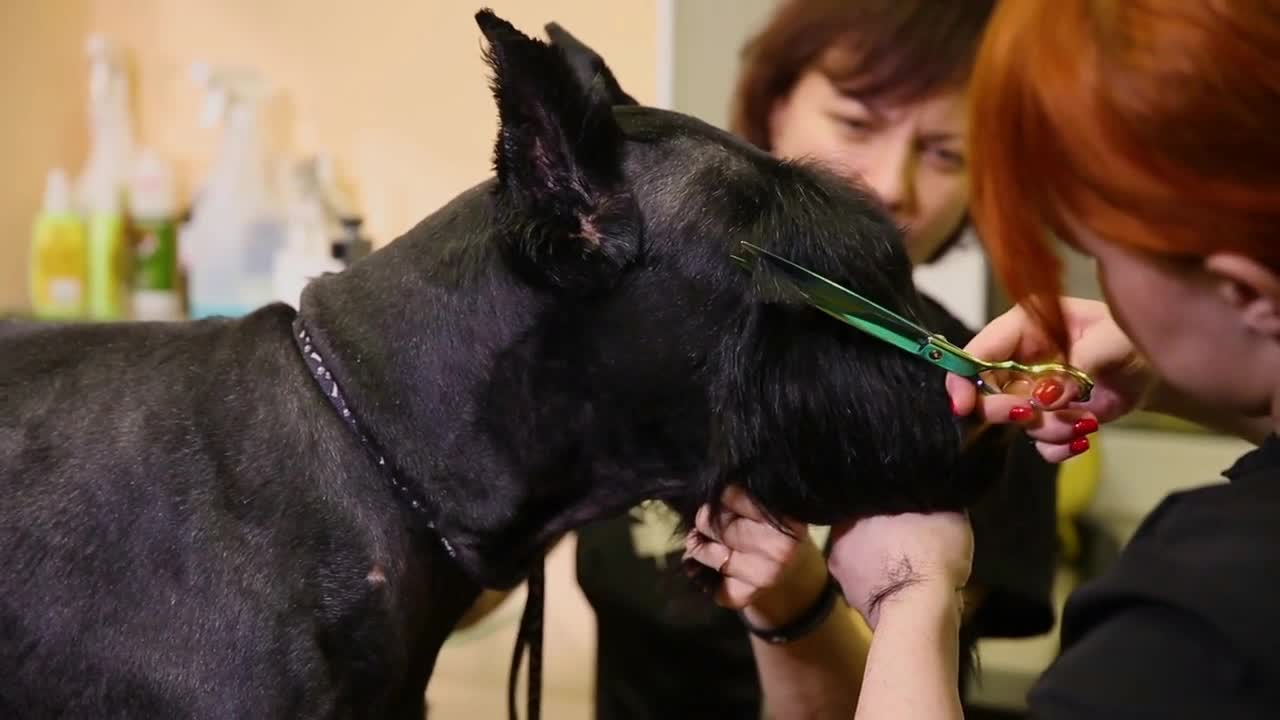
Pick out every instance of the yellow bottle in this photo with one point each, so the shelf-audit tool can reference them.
(59, 255)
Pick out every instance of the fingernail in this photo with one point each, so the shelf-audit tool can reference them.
(1047, 392)
(1079, 445)
(1020, 414)
(1084, 426)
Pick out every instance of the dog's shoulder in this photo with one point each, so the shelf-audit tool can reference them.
(65, 385)
(93, 351)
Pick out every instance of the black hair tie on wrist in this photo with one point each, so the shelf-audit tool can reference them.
(804, 624)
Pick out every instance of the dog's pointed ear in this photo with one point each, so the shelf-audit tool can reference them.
(587, 64)
(566, 209)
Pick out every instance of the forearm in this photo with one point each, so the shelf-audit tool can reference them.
(913, 665)
(816, 676)
(821, 675)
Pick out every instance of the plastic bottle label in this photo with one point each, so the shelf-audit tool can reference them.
(155, 249)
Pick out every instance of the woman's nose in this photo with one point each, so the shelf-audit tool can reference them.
(890, 178)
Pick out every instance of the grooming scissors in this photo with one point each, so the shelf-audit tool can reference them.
(853, 309)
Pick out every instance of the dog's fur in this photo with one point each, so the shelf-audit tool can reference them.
(188, 529)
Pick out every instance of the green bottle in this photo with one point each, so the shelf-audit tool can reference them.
(153, 234)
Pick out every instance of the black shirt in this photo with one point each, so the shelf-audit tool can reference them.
(665, 650)
(1184, 625)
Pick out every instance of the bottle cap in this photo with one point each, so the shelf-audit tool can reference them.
(151, 187)
(57, 192)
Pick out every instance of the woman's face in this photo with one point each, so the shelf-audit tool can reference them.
(1199, 330)
(912, 156)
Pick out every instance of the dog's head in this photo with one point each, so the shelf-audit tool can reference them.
(625, 355)
(631, 214)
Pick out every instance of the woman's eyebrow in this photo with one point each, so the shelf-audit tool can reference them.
(940, 136)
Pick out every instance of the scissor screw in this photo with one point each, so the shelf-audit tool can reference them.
(935, 355)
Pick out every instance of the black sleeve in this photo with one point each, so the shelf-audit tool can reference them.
(1015, 535)
(1182, 625)
(1147, 661)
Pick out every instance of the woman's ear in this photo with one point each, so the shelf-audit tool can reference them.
(1250, 287)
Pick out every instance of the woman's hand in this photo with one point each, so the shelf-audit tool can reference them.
(772, 575)
(1122, 378)
(880, 561)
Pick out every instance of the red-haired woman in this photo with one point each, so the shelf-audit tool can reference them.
(1144, 133)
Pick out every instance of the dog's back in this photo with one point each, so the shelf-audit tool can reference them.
(178, 539)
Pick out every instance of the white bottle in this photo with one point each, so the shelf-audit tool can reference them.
(308, 249)
(101, 184)
(100, 189)
(236, 224)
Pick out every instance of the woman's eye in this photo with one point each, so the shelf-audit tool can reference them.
(946, 159)
(853, 123)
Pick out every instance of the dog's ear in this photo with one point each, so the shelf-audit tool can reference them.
(567, 213)
(587, 64)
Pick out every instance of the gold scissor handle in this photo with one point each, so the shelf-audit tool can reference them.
(1033, 372)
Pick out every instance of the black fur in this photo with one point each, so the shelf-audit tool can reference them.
(189, 530)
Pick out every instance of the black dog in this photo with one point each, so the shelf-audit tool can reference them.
(283, 517)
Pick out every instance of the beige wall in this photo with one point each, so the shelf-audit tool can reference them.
(707, 44)
(395, 90)
(41, 123)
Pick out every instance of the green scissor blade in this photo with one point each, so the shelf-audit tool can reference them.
(865, 315)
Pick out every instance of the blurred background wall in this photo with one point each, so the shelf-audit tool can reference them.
(394, 90)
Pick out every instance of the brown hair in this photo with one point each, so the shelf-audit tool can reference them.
(1153, 124)
(882, 51)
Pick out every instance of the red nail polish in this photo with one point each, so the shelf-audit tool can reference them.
(1079, 445)
(1020, 414)
(1085, 426)
(1048, 392)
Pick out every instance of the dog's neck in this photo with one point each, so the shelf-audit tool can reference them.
(444, 358)
(332, 391)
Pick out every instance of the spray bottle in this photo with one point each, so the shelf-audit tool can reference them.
(308, 249)
(236, 225)
(100, 189)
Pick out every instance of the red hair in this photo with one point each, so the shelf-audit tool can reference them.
(1151, 123)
